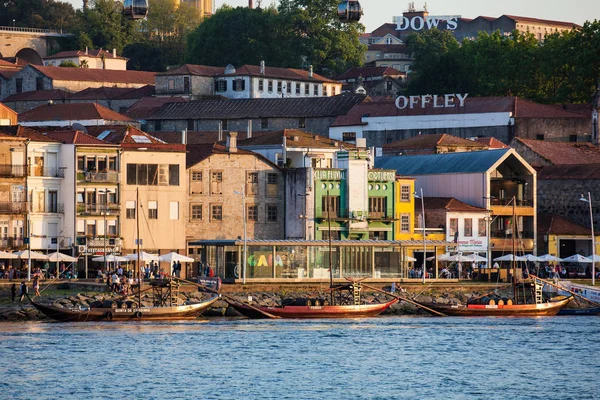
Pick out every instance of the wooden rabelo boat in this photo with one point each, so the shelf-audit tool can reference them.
(125, 311)
(315, 311)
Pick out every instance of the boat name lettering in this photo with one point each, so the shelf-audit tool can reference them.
(381, 175)
(436, 101)
(329, 174)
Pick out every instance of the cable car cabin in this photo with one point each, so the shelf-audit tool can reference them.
(135, 9)
(349, 11)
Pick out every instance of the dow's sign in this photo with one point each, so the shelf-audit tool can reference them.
(419, 23)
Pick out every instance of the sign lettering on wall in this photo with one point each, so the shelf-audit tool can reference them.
(381, 175)
(419, 23)
(431, 100)
(328, 174)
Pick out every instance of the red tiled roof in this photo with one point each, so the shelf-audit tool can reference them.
(570, 172)
(247, 70)
(7, 73)
(563, 153)
(369, 72)
(382, 30)
(294, 138)
(71, 111)
(124, 134)
(199, 152)
(432, 142)
(542, 21)
(146, 106)
(158, 147)
(98, 53)
(473, 105)
(112, 93)
(74, 137)
(39, 95)
(97, 75)
(389, 48)
(584, 109)
(449, 204)
(26, 132)
(552, 224)
(492, 143)
(8, 64)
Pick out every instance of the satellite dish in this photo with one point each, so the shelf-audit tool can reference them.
(78, 127)
(135, 9)
(349, 11)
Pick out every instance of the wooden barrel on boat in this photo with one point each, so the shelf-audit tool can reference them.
(508, 302)
(487, 301)
(131, 304)
(109, 304)
(501, 302)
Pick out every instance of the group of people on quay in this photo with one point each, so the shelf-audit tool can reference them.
(47, 272)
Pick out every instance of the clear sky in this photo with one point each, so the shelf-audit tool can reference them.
(378, 12)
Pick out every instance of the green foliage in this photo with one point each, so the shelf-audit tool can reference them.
(299, 33)
(68, 64)
(564, 68)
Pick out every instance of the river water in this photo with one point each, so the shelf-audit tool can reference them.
(379, 358)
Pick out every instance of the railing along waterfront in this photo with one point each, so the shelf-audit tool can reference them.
(38, 31)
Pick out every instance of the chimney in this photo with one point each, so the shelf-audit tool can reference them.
(184, 136)
(249, 130)
(310, 71)
(220, 135)
(250, 5)
(231, 142)
(86, 50)
(262, 67)
(114, 53)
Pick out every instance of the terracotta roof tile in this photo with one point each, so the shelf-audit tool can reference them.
(124, 134)
(199, 152)
(369, 72)
(192, 69)
(146, 106)
(492, 143)
(202, 137)
(26, 132)
(448, 204)
(432, 142)
(97, 53)
(74, 137)
(542, 21)
(71, 111)
(552, 224)
(562, 153)
(97, 75)
(295, 139)
(305, 107)
(40, 95)
(570, 172)
(113, 93)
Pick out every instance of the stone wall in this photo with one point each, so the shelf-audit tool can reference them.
(379, 138)
(554, 129)
(562, 197)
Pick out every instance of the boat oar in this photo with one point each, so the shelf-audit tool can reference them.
(566, 290)
(227, 298)
(406, 300)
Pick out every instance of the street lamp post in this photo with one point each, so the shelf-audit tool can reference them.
(424, 237)
(105, 192)
(589, 201)
(243, 194)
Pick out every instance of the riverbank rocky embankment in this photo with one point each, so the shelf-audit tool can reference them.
(24, 311)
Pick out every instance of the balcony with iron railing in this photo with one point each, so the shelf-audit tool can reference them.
(98, 209)
(98, 177)
(13, 207)
(35, 170)
(11, 243)
(53, 208)
(12, 171)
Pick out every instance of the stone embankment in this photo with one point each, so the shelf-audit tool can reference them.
(24, 311)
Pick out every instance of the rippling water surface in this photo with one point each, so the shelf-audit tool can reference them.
(381, 358)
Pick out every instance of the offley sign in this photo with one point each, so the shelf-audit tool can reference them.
(419, 23)
(436, 101)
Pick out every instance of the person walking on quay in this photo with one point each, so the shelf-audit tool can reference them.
(13, 292)
(24, 291)
(174, 269)
(36, 286)
(178, 274)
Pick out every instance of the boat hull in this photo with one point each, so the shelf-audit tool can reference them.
(350, 311)
(516, 310)
(580, 311)
(186, 312)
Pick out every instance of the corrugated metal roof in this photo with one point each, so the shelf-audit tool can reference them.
(449, 163)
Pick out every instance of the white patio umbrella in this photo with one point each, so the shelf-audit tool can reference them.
(478, 258)
(25, 254)
(577, 258)
(111, 258)
(510, 257)
(143, 256)
(5, 255)
(58, 256)
(532, 258)
(459, 258)
(172, 256)
(549, 258)
(410, 259)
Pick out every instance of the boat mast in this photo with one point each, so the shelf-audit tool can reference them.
(137, 234)
(514, 251)
(330, 247)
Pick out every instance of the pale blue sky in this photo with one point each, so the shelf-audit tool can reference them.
(378, 12)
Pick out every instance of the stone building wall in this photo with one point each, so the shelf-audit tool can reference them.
(199, 85)
(554, 129)
(562, 197)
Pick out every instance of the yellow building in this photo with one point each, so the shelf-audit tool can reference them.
(404, 208)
